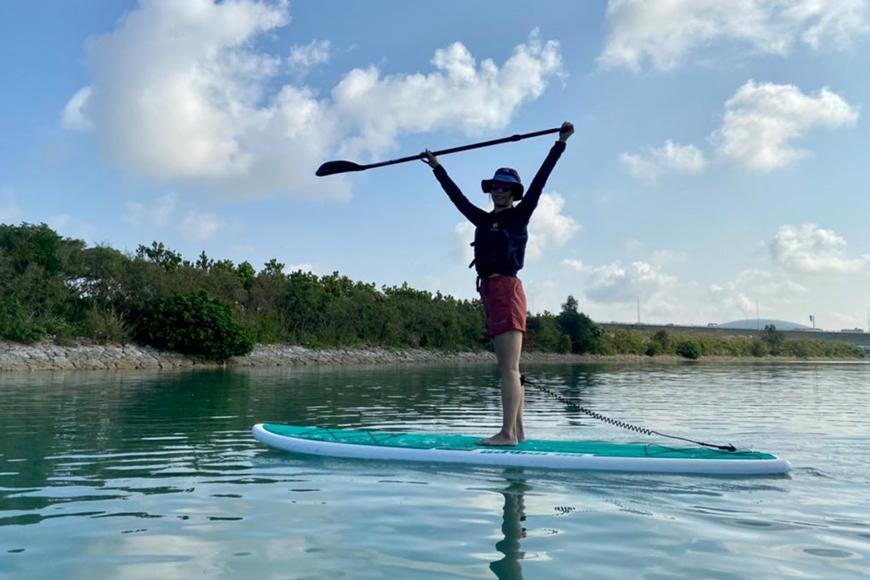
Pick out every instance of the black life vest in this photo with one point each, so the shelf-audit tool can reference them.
(499, 245)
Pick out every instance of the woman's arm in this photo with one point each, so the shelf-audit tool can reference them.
(474, 214)
(533, 194)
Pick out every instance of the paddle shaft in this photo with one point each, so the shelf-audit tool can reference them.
(595, 415)
(466, 147)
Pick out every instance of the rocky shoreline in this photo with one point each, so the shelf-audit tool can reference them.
(51, 357)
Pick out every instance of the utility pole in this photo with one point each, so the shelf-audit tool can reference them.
(638, 309)
(757, 317)
(813, 320)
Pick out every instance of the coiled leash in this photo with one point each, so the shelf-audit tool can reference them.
(595, 415)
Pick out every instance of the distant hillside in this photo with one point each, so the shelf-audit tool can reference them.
(760, 323)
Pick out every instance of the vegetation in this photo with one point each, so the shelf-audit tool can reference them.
(694, 346)
(58, 288)
(193, 324)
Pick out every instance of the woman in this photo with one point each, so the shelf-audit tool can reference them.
(499, 249)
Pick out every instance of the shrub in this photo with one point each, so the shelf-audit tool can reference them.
(690, 349)
(193, 323)
(758, 347)
(774, 339)
(621, 341)
(653, 348)
(663, 339)
(106, 326)
(14, 324)
(543, 334)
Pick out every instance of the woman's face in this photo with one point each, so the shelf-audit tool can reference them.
(502, 195)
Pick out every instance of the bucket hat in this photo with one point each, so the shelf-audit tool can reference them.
(505, 175)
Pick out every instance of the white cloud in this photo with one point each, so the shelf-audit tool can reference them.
(811, 249)
(762, 120)
(199, 226)
(303, 57)
(660, 258)
(666, 33)
(71, 227)
(669, 158)
(849, 321)
(181, 92)
(574, 264)
(165, 212)
(751, 290)
(617, 283)
(633, 244)
(461, 94)
(157, 214)
(74, 117)
(308, 268)
(549, 227)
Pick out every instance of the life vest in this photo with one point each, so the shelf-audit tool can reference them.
(499, 246)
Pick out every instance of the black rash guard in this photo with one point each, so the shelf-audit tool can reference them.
(500, 237)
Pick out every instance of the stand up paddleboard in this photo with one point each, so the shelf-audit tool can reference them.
(582, 455)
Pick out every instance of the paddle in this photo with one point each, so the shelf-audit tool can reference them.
(333, 167)
(524, 380)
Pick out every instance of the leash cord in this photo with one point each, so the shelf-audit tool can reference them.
(595, 415)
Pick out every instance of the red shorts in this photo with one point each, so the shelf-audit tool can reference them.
(504, 303)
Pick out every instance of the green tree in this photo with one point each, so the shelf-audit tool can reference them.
(585, 335)
(160, 255)
(773, 338)
(194, 324)
(689, 348)
(246, 274)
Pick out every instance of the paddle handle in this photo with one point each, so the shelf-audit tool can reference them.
(518, 137)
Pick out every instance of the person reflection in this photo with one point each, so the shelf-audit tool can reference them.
(512, 527)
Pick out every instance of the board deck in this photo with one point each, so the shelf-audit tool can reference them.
(585, 455)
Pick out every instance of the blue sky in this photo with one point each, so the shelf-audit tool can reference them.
(718, 168)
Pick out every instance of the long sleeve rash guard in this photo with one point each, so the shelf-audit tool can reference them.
(500, 237)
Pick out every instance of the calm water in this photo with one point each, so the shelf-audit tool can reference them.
(155, 475)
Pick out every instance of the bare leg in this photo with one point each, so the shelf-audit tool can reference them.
(508, 346)
(521, 432)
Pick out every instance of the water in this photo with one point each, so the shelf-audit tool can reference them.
(155, 475)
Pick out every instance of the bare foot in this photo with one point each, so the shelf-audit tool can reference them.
(499, 440)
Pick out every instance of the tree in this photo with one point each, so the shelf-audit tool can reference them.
(690, 349)
(273, 268)
(160, 255)
(773, 338)
(585, 335)
(246, 274)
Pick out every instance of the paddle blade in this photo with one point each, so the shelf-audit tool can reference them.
(333, 167)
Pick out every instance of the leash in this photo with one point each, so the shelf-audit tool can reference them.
(595, 415)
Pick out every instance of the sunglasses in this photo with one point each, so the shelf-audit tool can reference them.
(497, 187)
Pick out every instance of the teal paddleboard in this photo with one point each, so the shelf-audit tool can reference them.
(583, 455)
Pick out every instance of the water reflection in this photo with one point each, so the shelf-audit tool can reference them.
(513, 518)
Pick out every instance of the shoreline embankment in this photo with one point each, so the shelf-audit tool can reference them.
(51, 357)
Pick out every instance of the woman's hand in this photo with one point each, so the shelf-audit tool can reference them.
(429, 158)
(566, 131)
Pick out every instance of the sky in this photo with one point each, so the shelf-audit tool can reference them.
(718, 170)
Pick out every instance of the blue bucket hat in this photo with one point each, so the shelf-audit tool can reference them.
(505, 175)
